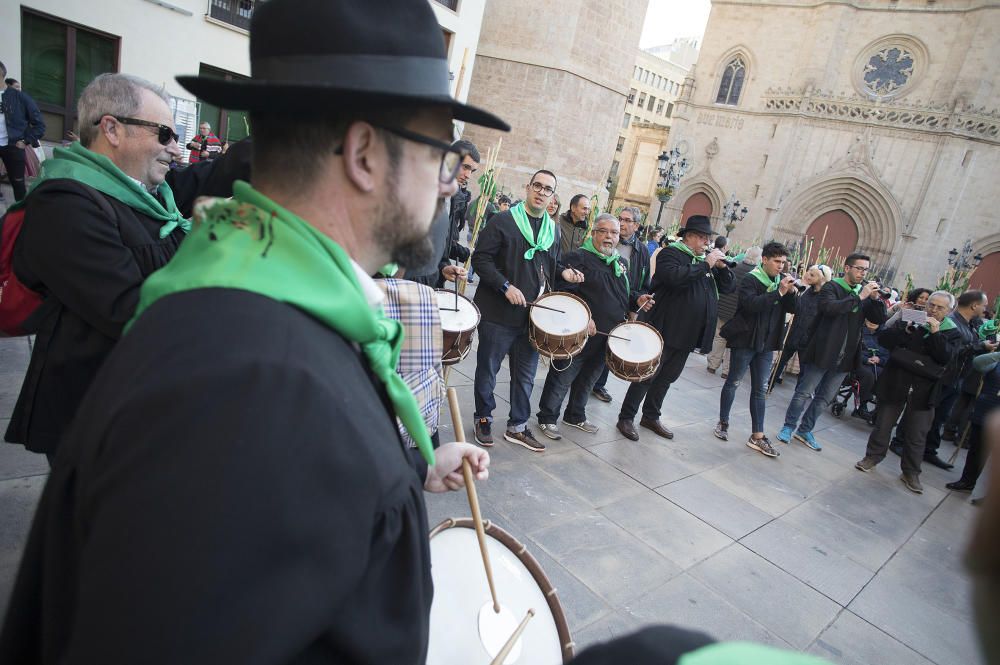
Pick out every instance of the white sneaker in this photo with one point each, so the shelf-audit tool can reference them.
(551, 431)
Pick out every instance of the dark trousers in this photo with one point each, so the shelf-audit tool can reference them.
(578, 378)
(959, 417)
(496, 342)
(865, 374)
(13, 161)
(651, 392)
(912, 433)
(602, 380)
(786, 355)
(941, 413)
(976, 458)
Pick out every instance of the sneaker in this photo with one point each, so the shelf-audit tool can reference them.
(762, 445)
(808, 439)
(525, 438)
(550, 430)
(912, 483)
(866, 464)
(711, 370)
(722, 431)
(725, 375)
(785, 435)
(484, 432)
(586, 426)
(601, 393)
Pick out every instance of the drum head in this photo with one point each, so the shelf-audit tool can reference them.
(467, 316)
(461, 592)
(644, 343)
(573, 321)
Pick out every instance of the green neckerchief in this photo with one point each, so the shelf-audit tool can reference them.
(612, 260)
(746, 653)
(253, 244)
(95, 170)
(546, 233)
(770, 282)
(677, 244)
(988, 329)
(840, 281)
(946, 325)
(389, 269)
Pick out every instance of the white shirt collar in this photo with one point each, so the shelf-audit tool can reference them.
(141, 184)
(369, 288)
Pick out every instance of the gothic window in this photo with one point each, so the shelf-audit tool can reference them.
(888, 70)
(732, 82)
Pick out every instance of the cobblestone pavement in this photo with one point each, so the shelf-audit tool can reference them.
(801, 551)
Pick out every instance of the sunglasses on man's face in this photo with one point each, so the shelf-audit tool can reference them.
(164, 134)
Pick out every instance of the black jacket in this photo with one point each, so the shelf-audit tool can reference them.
(88, 254)
(499, 258)
(638, 266)
(24, 120)
(836, 339)
(760, 315)
(897, 385)
(687, 297)
(728, 301)
(989, 397)
(603, 291)
(805, 316)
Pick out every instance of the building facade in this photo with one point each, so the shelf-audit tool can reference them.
(654, 87)
(559, 76)
(868, 126)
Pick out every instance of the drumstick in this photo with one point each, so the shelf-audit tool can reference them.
(553, 309)
(624, 339)
(470, 488)
(502, 655)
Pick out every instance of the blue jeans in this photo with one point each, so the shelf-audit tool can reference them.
(759, 364)
(818, 385)
(577, 378)
(497, 341)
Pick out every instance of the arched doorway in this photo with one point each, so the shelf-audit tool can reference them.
(836, 231)
(987, 277)
(697, 204)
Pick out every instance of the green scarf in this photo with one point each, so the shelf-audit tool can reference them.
(95, 170)
(770, 282)
(253, 244)
(546, 234)
(847, 287)
(746, 653)
(677, 244)
(988, 329)
(946, 325)
(612, 260)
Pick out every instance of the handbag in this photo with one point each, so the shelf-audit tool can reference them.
(917, 364)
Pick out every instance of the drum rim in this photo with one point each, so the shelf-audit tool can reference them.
(575, 297)
(531, 563)
(475, 308)
(609, 355)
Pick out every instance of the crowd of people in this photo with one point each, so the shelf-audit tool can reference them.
(239, 396)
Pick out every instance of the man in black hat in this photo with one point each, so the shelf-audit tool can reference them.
(238, 491)
(686, 287)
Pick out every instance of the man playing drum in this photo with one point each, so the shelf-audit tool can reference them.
(516, 259)
(607, 292)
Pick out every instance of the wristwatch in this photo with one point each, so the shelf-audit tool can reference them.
(506, 285)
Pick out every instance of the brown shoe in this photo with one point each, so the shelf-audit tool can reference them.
(628, 429)
(656, 426)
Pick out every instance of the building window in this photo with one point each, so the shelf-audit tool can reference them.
(234, 12)
(614, 168)
(670, 109)
(631, 96)
(227, 124)
(638, 73)
(652, 101)
(58, 60)
(450, 4)
(887, 71)
(621, 143)
(642, 99)
(732, 82)
(659, 107)
(626, 121)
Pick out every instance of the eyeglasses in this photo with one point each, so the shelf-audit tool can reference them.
(451, 158)
(861, 269)
(609, 232)
(626, 219)
(539, 188)
(164, 134)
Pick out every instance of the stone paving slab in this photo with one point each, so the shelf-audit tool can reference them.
(852, 641)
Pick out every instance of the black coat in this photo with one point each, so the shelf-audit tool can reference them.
(499, 258)
(88, 254)
(603, 291)
(729, 301)
(760, 316)
(638, 266)
(895, 384)
(836, 339)
(805, 318)
(687, 298)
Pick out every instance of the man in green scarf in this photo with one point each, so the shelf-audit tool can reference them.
(97, 222)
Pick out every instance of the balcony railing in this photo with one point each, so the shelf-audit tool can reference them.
(233, 12)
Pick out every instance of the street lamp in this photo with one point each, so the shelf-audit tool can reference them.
(672, 168)
(733, 213)
(963, 261)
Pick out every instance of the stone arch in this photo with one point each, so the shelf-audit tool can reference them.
(696, 204)
(867, 202)
(706, 186)
(987, 275)
(835, 230)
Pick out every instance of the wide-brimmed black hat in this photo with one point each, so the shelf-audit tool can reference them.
(307, 54)
(699, 224)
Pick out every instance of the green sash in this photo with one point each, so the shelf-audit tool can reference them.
(546, 233)
(840, 281)
(765, 279)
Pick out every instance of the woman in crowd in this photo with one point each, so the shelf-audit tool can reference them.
(805, 314)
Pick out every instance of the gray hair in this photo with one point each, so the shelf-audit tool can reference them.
(111, 94)
(949, 296)
(636, 213)
(753, 255)
(605, 217)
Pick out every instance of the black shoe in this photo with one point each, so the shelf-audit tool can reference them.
(961, 486)
(949, 435)
(861, 412)
(627, 427)
(655, 425)
(601, 393)
(779, 380)
(934, 460)
(896, 448)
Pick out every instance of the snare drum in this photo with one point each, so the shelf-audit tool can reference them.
(459, 327)
(638, 358)
(463, 626)
(559, 335)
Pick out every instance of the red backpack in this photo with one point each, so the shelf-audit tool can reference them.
(17, 301)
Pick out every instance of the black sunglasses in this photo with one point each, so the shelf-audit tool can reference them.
(164, 134)
(451, 158)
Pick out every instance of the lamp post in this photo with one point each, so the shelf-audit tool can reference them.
(733, 213)
(672, 168)
(611, 194)
(963, 261)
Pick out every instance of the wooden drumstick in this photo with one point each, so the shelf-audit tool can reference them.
(470, 488)
(513, 638)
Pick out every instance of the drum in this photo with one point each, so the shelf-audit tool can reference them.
(560, 332)
(464, 628)
(459, 327)
(636, 356)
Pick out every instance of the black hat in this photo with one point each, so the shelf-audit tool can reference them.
(699, 224)
(313, 53)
